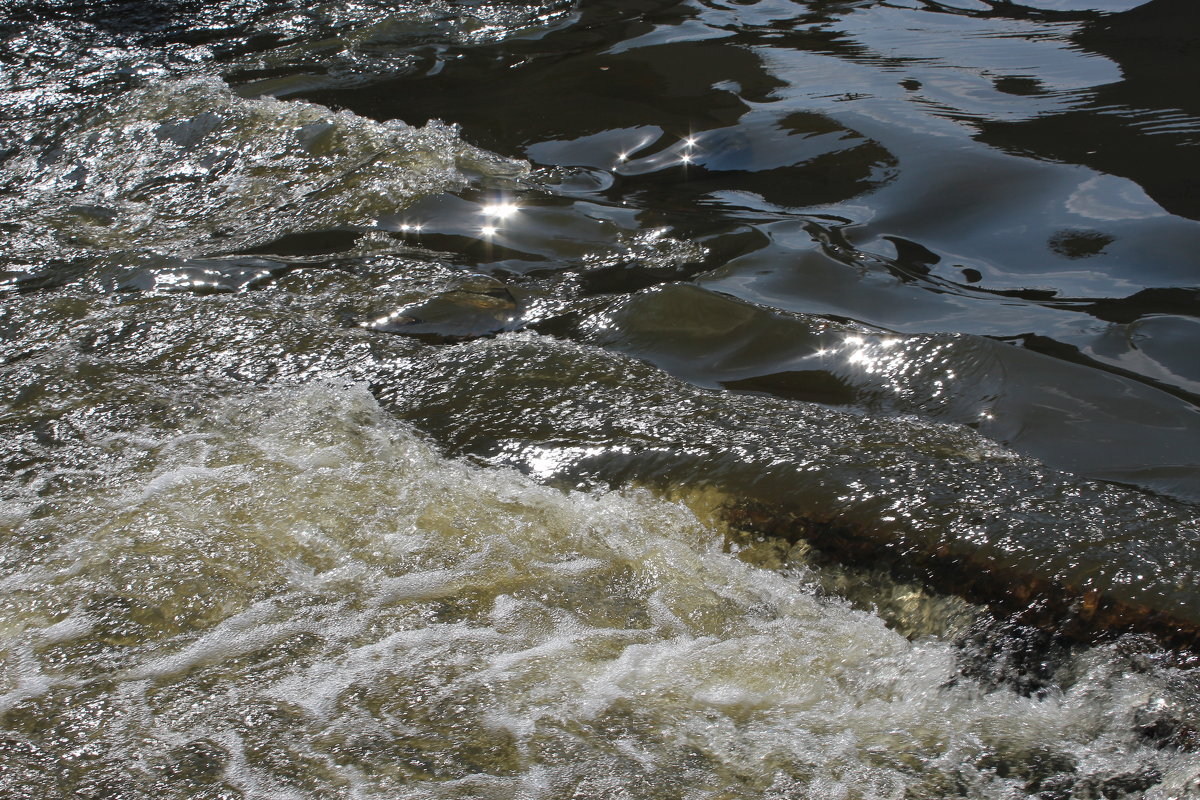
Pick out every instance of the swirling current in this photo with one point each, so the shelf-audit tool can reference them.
(701, 400)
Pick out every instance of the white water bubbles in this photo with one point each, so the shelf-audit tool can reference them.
(315, 604)
(187, 168)
(339, 44)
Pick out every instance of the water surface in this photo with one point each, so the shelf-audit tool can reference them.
(609, 399)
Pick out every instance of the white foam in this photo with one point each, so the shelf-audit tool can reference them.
(185, 166)
(387, 623)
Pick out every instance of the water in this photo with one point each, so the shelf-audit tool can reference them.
(701, 400)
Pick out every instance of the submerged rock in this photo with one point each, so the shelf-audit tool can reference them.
(931, 500)
(478, 306)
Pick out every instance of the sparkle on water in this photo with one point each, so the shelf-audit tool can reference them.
(230, 573)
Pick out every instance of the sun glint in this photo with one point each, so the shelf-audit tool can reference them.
(501, 210)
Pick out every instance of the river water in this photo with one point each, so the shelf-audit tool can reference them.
(710, 399)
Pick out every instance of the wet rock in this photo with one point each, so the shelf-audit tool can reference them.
(476, 307)
(932, 503)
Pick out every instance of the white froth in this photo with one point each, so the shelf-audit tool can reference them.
(318, 605)
(186, 166)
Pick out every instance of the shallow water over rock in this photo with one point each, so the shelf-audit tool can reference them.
(663, 400)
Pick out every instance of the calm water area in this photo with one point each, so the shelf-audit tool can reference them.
(697, 400)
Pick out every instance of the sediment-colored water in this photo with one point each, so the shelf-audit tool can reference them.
(597, 400)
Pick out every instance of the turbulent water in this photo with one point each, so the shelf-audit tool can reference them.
(599, 400)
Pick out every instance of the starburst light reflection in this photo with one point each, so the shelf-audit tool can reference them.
(502, 210)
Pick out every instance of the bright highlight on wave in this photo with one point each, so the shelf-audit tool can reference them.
(497, 213)
(689, 144)
(502, 210)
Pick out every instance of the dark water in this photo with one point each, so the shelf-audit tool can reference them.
(608, 399)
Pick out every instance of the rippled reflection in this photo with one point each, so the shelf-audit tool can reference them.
(818, 278)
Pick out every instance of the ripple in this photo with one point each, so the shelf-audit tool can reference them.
(186, 168)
